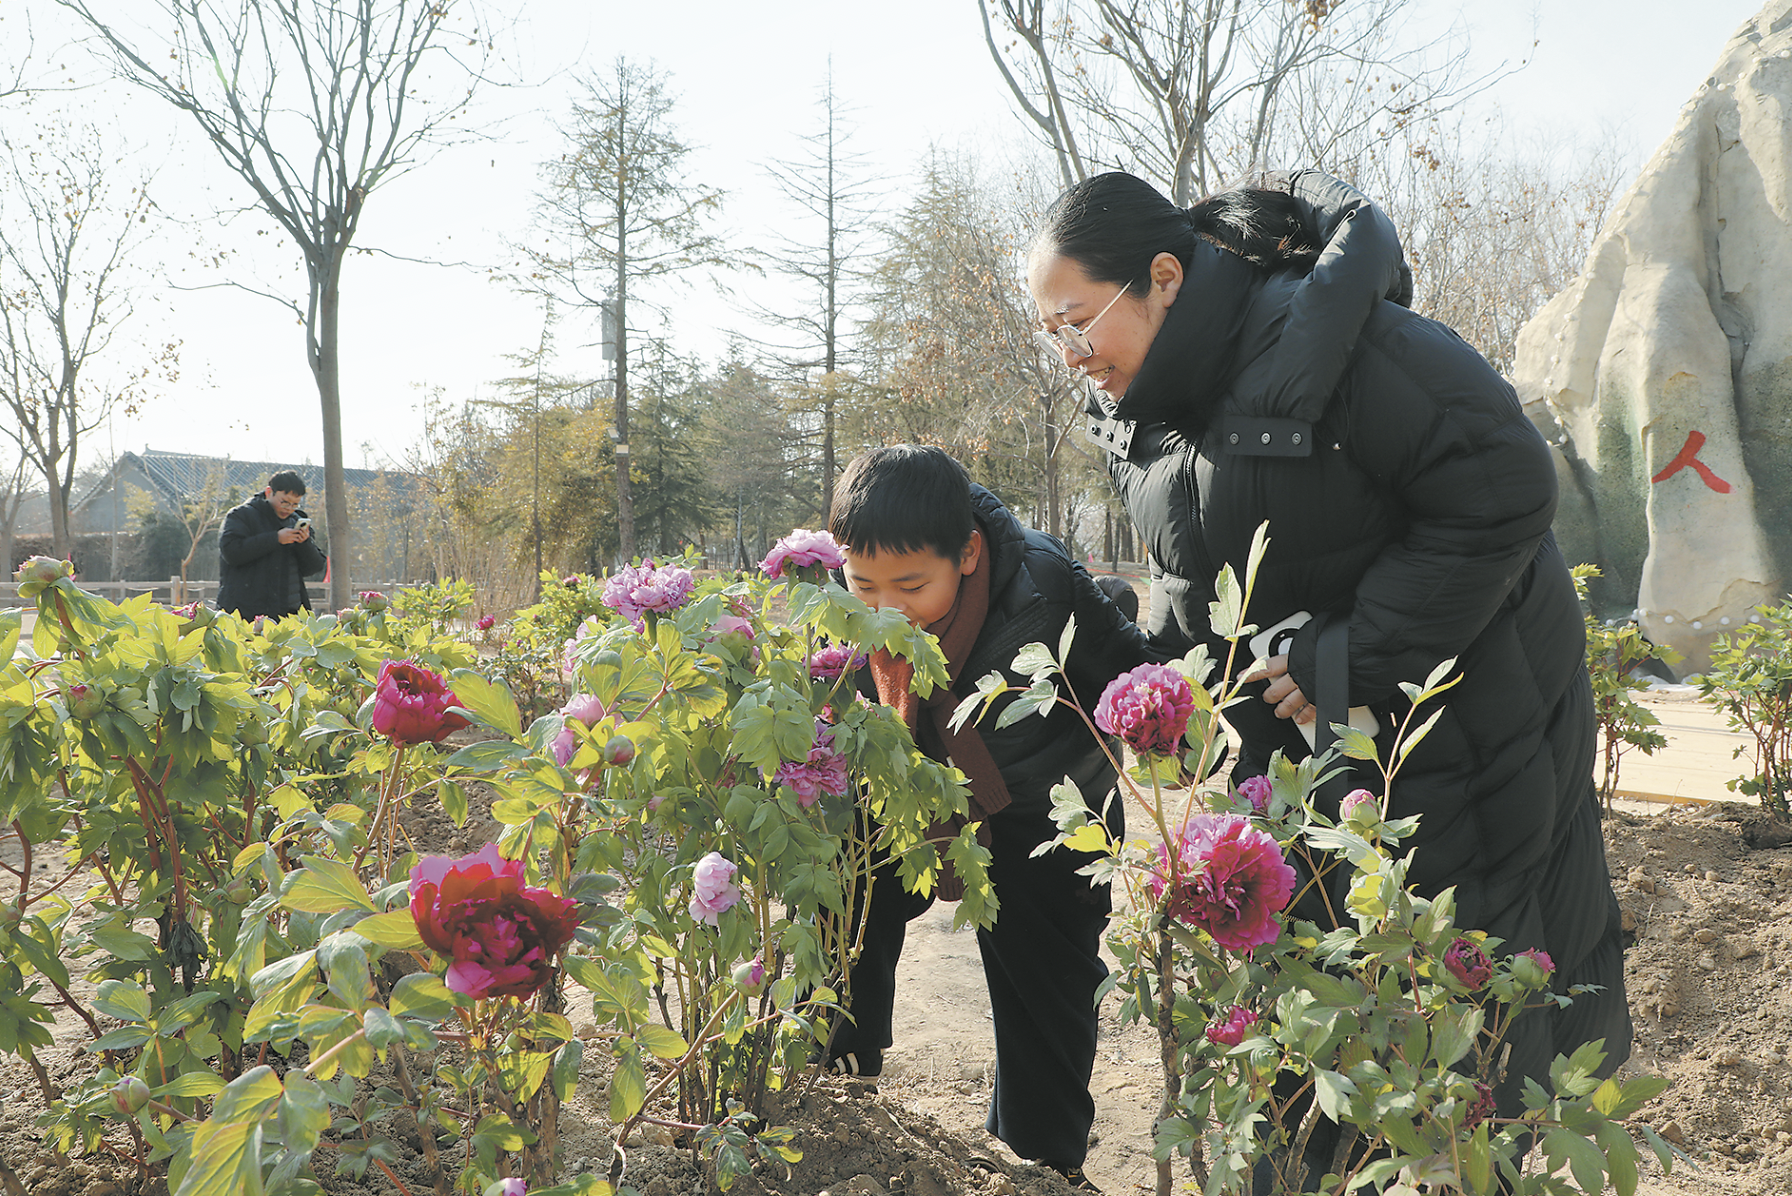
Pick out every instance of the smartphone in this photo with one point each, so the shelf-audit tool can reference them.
(1274, 641)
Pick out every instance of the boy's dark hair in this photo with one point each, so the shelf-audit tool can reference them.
(286, 482)
(902, 498)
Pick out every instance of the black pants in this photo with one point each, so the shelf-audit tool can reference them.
(1042, 964)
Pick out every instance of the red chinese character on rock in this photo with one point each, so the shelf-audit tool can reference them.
(1689, 456)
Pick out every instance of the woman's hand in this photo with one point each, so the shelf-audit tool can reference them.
(1282, 692)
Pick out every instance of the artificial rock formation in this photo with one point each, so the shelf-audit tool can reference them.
(1664, 372)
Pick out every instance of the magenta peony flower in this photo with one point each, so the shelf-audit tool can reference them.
(823, 772)
(1256, 790)
(633, 591)
(580, 708)
(1230, 1032)
(1231, 881)
(1148, 708)
(1357, 798)
(410, 704)
(712, 887)
(374, 601)
(485, 622)
(500, 935)
(802, 549)
(1465, 960)
(829, 662)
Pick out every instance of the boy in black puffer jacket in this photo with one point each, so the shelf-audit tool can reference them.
(920, 537)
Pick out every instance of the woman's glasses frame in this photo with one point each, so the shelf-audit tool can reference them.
(1069, 336)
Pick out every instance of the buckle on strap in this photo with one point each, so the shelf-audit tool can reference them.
(1111, 434)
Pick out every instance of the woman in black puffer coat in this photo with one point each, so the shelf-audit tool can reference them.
(1409, 503)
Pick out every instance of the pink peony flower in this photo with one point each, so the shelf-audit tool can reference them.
(1353, 800)
(580, 708)
(1256, 790)
(802, 549)
(569, 655)
(829, 662)
(824, 771)
(1465, 960)
(410, 704)
(485, 622)
(510, 1187)
(1230, 1032)
(189, 611)
(1148, 708)
(712, 887)
(1231, 881)
(634, 591)
(570, 580)
(500, 935)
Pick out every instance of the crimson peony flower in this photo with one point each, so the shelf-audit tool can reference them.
(823, 772)
(634, 591)
(712, 887)
(1148, 708)
(1354, 799)
(1230, 1032)
(580, 708)
(410, 704)
(500, 935)
(802, 549)
(485, 622)
(1483, 1107)
(1231, 881)
(1256, 790)
(1465, 960)
(829, 662)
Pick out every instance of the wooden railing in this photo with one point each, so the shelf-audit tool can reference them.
(174, 593)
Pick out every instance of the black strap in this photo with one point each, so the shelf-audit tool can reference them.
(1331, 667)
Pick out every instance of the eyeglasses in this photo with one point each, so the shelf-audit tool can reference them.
(1069, 336)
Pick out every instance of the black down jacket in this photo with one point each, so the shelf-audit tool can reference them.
(257, 574)
(1034, 589)
(1407, 497)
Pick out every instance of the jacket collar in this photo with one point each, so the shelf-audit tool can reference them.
(1003, 538)
(1195, 353)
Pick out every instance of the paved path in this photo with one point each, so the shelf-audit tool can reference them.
(1699, 758)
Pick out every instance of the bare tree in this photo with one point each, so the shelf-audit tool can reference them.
(68, 230)
(314, 106)
(615, 212)
(1193, 93)
(829, 183)
(13, 494)
(200, 514)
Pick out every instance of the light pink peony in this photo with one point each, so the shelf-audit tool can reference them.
(802, 549)
(1231, 881)
(580, 708)
(712, 887)
(1148, 708)
(1230, 1032)
(634, 591)
(823, 772)
(1256, 790)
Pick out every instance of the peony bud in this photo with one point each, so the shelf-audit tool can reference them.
(1256, 790)
(374, 601)
(250, 733)
(240, 891)
(1532, 968)
(129, 1095)
(44, 570)
(84, 701)
(749, 977)
(1231, 1031)
(619, 750)
(1359, 799)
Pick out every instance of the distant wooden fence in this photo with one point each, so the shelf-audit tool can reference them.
(173, 593)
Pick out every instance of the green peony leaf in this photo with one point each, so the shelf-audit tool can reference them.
(324, 886)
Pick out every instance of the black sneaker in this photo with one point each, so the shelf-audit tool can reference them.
(1074, 1176)
(860, 1065)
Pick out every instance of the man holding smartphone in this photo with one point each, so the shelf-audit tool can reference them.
(266, 551)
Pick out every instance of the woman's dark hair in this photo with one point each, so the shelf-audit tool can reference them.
(903, 498)
(1112, 225)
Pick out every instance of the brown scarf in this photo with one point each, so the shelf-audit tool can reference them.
(964, 748)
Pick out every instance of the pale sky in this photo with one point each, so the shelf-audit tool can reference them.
(915, 76)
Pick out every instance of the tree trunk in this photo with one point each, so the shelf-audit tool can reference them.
(328, 371)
